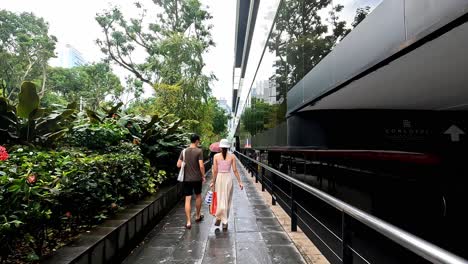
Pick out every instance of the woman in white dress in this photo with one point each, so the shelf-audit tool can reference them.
(224, 162)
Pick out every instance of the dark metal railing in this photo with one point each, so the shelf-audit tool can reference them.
(207, 166)
(414, 244)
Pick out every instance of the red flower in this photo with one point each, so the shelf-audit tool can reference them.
(68, 214)
(3, 153)
(32, 178)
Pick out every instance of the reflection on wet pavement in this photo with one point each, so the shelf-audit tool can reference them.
(254, 236)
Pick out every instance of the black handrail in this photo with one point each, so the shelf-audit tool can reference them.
(415, 244)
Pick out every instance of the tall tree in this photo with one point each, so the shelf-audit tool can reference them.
(99, 81)
(25, 49)
(258, 117)
(220, 121)
(302, 37)
(133, 88)
(173, 39)
(91, 83)
(305, 31)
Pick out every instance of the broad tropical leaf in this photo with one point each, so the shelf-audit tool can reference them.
(28, 99)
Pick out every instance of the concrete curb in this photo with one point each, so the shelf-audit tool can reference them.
(115, 238)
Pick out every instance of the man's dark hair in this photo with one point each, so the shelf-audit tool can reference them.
(194, 138)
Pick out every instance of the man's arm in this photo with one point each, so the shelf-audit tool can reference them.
(202, 169)
(202, 165)
(179, 162)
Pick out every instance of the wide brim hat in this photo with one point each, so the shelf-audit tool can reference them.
(215, 147)
(224, 143)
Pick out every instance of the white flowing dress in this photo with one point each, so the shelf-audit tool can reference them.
(223, 188)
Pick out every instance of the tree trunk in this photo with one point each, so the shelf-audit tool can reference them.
(44, 79)
(31, 64)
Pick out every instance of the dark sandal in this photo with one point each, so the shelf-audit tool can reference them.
(188, 226)
(218, 222)
(200, 219)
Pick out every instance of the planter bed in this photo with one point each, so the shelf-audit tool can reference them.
(111, 241)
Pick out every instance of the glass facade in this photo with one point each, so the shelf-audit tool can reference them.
(372, 158)
(302, 33)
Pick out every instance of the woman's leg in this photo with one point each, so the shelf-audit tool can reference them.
(221, 197)
(229, 187)
(224, 193)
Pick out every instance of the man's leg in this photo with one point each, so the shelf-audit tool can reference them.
(188, 190)
(198, 203)
(188, 209)
(198, 199)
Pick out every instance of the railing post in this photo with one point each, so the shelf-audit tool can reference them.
(256, 173)
(347, 255)
(273, 197)
(263, 179)
(293, 211)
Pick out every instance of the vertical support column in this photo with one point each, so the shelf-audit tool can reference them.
(256, 173)
(257, 166)
(347, 255)
(293, 211)
(263, 179)
(273, 187)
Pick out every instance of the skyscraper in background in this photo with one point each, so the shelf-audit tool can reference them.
(223, 103)
(265, 90)
(69, 57)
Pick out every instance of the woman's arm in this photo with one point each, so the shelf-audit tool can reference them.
(214, 171)
(234, 168)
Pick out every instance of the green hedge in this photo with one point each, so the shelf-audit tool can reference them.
(97, 136)
(48, 196)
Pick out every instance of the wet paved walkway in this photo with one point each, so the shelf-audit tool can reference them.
(254, 236)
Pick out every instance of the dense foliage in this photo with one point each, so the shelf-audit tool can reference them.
(47, 196)
(65, 171)
(27, 123)
(70, 156)
(89, 84)
(97, 135)
(25, 48)
(172, 36)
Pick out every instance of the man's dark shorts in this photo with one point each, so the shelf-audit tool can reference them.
(192, 187)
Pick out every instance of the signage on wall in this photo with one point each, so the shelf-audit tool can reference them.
(407, 132)
(454, 132)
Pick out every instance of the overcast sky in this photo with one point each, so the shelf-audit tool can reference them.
(72, 22)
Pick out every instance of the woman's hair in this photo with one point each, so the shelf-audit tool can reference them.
(224, 152)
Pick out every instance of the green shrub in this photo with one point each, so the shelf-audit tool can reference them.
(97, 135)
(47, 195)
(160, 138)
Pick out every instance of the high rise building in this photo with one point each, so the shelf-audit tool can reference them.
(69, 57)
(223, 103)
(264, 90)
